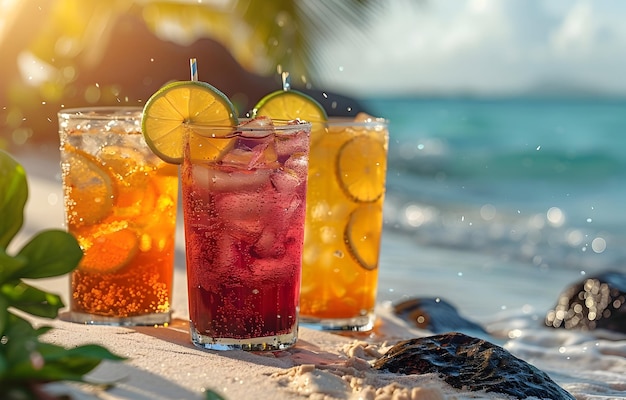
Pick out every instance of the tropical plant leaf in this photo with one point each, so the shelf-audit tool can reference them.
(32, 300)
(19, 338)
(4, 315)
(9, 266)
(58, 363)
(212, 395)
(50, 253)
(12, 197)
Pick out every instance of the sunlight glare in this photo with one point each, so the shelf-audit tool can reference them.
(8, 10)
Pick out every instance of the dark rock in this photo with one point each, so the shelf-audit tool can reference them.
(596, 302)
(471, 364)
(435, 315)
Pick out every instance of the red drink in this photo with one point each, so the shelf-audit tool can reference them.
(244, 193)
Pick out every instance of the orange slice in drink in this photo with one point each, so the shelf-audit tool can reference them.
(362, 235)
(88, 188)
(136, 193)
(360, 168)
(108, 251)
(181, 108)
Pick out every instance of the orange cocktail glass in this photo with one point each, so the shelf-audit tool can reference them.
(120, 204)
(345, 194)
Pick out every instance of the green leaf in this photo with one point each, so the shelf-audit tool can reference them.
(32, 300)
(212, 395)
(4, 314)
(57, 363)
(9, 266)
(19, 339)
(12, 197)
(50, 253)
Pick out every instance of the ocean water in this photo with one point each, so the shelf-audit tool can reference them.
(498, 205)
(540, 181)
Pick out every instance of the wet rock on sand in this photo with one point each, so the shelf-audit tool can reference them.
(435, 315)
(596, 302)
(473, 364)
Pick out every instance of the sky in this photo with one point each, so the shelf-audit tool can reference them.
(482, 47)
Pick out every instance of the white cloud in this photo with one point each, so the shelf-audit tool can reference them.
(482, 46)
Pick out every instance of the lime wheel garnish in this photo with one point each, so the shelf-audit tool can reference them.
(360, 168)
(289, 105)
(182, 107)
(362, 235)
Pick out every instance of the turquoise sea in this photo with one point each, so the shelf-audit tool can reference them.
(537, 181)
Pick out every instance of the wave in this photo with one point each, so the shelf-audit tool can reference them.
(537, 164)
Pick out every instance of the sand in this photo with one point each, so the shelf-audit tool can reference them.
(163, 364)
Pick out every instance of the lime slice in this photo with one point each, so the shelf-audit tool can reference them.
(88, 188)
(108, 251)
(289, 105)
(360, 168)
(171, 112)
(362, 235)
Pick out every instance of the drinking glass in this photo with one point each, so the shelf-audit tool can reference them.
(244, 199)
(346, 189)
(120, 204)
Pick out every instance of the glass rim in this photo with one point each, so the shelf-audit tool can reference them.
(349, 121)
(277, 124)
(102, 113)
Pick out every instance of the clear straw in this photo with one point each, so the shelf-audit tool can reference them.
(286, 81)
(193, 65)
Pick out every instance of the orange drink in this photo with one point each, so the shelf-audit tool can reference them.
(120, 203)
(345, 194)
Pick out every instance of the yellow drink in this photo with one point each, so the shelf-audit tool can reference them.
(120, 203)
(345, 195)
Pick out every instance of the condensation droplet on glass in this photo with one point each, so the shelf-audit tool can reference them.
(338, 254)
(255, 291)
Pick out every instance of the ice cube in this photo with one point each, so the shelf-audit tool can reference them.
(238, 157)
(259, 122)
(242, 214)
(285, 180)
(270, 244)
(228, 180)
(299, 163)
(364, 117)
(287, 145)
